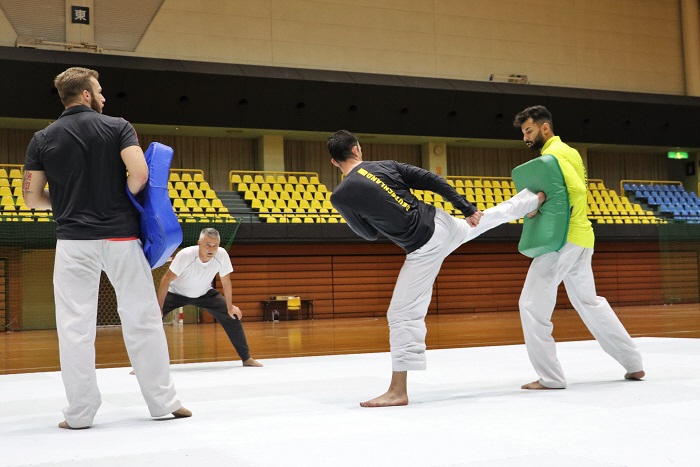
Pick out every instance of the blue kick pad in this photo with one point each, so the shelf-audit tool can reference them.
(547, 231)
(161, 233)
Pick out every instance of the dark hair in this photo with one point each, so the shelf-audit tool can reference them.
(538, 113)
(340, 145)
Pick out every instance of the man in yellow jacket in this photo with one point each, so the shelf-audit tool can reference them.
(572, 264)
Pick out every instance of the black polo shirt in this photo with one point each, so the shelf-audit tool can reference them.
(81, 156)
(376, 197)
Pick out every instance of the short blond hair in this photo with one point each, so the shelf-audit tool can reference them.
(72, 82)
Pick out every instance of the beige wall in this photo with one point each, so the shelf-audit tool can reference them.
(600, 44)
(7, 33)
(631, 46)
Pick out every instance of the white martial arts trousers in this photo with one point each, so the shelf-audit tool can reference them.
(76, 283)
(414, 286)
(572, 264)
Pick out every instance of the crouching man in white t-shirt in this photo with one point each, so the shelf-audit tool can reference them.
(188, 282)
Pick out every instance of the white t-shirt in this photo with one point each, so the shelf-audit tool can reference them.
(193, 276)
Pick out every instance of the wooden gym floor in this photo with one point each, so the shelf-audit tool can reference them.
(37, 351)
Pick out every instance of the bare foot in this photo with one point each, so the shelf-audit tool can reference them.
(252, 362)
(182, 413)
(388, 399)
(541, 197)
(65, 425)
(535, 385)
(635, 376)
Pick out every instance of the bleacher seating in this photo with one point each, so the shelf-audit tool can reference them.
(668, 199)
(286, 197)
(12, 206)
(193, 199)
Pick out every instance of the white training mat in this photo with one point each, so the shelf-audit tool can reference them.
(465, 410)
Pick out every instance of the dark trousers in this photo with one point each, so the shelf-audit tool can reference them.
(215, 304)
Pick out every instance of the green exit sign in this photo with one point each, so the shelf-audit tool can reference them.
(677, 155)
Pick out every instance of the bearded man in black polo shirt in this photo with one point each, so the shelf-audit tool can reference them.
(85, 156)
(375, 198)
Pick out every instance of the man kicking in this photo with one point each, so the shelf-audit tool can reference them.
(375, 197)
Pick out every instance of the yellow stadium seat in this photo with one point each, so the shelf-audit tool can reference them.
(281, 179)
(192, 186)
(250, 195)
(242, 186)
(4, 182)
(311, 188)
(7, 200)
(191, 203)
(292, 204)
(307, 196)
(173, 194)
(319, 196)
(198, 177)
(179, 186)
(285, 195)
(16, 182)
(304, 204)
(15, 173)
(314, 180)
(265, 187)
(292, 179)
(309, 220)
(258, 195)
(5, 191)
(259, 179)
(174, 177)
(178, 203)
(235, 179)
(3, 173)
(273, 195)
(185, 194)
(247, 178)
(332, 220)
(210, 194)
(271, 220)
(277, 187)
(197, 194)
(204, 203)
(216, 203)
(303, 179)
(186, 177)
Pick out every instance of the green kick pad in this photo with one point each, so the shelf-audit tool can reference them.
(546, 232)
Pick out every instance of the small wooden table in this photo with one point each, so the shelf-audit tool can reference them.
(280, 306)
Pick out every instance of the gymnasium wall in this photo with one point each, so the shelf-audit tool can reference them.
(218, 156)
(630, 46)
(596, 44)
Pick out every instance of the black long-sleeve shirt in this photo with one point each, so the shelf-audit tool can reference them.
(375, 197)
